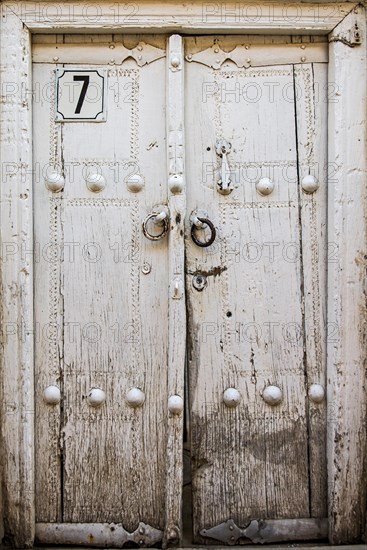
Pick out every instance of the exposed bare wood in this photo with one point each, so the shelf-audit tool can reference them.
(311, 113)
(16, 368)
(239, 321)
(347, 341)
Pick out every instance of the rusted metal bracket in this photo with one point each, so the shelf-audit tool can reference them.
(350, 38)
(266, 531)
(111, 535)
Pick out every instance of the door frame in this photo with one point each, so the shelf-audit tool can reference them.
(347, 206)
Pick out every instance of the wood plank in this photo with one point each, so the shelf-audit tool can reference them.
(177, 301)
(246, 325)
(48, 310)
(113, 466)
(189, 17)
(311, 117)
(16, 367)
(347, 341)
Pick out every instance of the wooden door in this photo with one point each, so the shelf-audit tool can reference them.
(101, 287)
(256, 141)
(110, 295)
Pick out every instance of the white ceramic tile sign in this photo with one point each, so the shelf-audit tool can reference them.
(81, 95)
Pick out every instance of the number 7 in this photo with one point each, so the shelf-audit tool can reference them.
(85, 80)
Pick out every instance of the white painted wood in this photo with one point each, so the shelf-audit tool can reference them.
(177, 302)
(243, 55)
(311, 113)
(347, 407)
(247, 55)
(247, 326)
(96, 54)
(301, 18)
(14, 521)
(110, 303)
(16, 367)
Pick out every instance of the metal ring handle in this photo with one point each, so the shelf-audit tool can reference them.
(165, 223)
(204, 244)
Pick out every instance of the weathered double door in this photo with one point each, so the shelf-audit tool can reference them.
(180, 226)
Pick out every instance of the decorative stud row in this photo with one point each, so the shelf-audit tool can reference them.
(309, 183)
(55, 182)
(135, 398)
(272, 395)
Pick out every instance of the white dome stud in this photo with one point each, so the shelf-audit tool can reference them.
(96, 182)
(316, 393)
(272, 395)
(135, 183)
(135, 397)
(176, 184)
(175, 404)
(310, 184)
(175, 61)
(231, 397)
(52, 395)
(54, 182)
(96, 397)
(265, 186)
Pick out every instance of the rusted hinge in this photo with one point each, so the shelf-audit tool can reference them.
(266, 531)
(350, 38)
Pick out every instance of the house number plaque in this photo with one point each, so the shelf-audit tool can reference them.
(81, 95)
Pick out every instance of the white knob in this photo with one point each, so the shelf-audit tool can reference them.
(316, 393)
(135, 397)
(175, 404)
(176, 184)
(52, 395)
(310, 184)
(96, 182)
(135, 183)
(265, 186)
(96, 397)
(54, 182)
(175, 61)
(231, 397)
(272, 395)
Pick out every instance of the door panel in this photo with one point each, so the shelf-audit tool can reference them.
(110, 303)
(259, 320)
(102, 305)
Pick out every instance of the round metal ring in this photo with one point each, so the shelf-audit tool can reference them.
(204, 244)
(165, 223)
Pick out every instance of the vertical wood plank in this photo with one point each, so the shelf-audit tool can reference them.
(347, 375)
(311, 113)
(16, 368)
(176, 308)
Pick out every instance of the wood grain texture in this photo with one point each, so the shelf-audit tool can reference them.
(16, 367)
(311, 116)
(172, 16)
(177, 300)
(247, 325)
(347, 374)
(106, 464)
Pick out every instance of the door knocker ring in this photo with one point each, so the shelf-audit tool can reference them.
(161, 221)
(207, 222)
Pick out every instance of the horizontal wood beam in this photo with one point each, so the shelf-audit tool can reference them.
(187, 17)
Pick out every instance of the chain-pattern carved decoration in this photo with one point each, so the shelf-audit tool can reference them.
(246, 55)
(109, 53)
